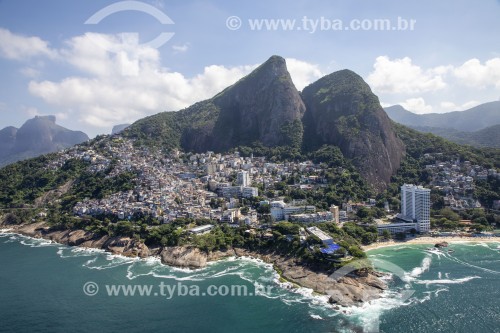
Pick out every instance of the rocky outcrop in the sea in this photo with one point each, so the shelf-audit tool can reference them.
(347, 291)
(117, 245)
(441, 244)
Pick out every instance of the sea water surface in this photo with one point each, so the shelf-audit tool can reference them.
(41, 290)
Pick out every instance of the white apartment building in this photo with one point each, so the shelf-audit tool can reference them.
(280, 211)
(416, 206)
(243, 178)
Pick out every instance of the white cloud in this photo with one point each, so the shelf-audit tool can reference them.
(130, 83)
(416, 105)
(302, 73)
(19, 47)
(125, 86)
(450, 106)
(30, 72)
(108, 55)
(474, 74)
(402, 76)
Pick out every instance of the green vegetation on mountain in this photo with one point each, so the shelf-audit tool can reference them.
(23, 182)
(413, 170)
(337, 123)
(341, 110)
(262, 107)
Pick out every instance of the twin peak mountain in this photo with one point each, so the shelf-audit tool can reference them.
(265, 107)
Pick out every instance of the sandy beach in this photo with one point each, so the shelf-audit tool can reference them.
(431, 241)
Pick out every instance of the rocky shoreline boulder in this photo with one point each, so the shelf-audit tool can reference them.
(441, 244)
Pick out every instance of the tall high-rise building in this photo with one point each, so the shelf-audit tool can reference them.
(335, 211)
(243, 178)
(416, 206)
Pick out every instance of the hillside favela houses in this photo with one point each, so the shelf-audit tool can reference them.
(415, 211)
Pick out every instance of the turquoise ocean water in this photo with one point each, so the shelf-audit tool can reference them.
(41, 290)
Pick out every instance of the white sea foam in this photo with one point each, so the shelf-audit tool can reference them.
(36, 242)
(151, 261)
(417, 271)
(315, 316)
(436, 292)
(473, 266)
(429, 294)
(112, 261)
(448, 281)
(368, 313)
(439, 275)
(74, 252)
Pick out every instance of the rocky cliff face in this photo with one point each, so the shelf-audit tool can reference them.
(37, 136)
(343, 111)
(339, 109)
(264, 106)
(259, 108)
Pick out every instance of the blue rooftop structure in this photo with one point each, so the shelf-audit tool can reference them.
(330, 249)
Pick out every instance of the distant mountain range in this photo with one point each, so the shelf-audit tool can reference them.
(478, 126)
(37, 136)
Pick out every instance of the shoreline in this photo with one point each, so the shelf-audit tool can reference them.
(430, 241)
(345, 291)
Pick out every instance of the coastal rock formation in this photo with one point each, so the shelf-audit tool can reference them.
(441, 244)
(190, 257)
(346, 291)
(117, 245)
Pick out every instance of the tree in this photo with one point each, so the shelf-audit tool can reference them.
(481, 220)
(12, 219)
(287, 228)
(363, 212)
(386, 234)
(264, 209)
(449, 214)
(400, 236)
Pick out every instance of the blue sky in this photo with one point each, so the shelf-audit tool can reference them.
(53, 63)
